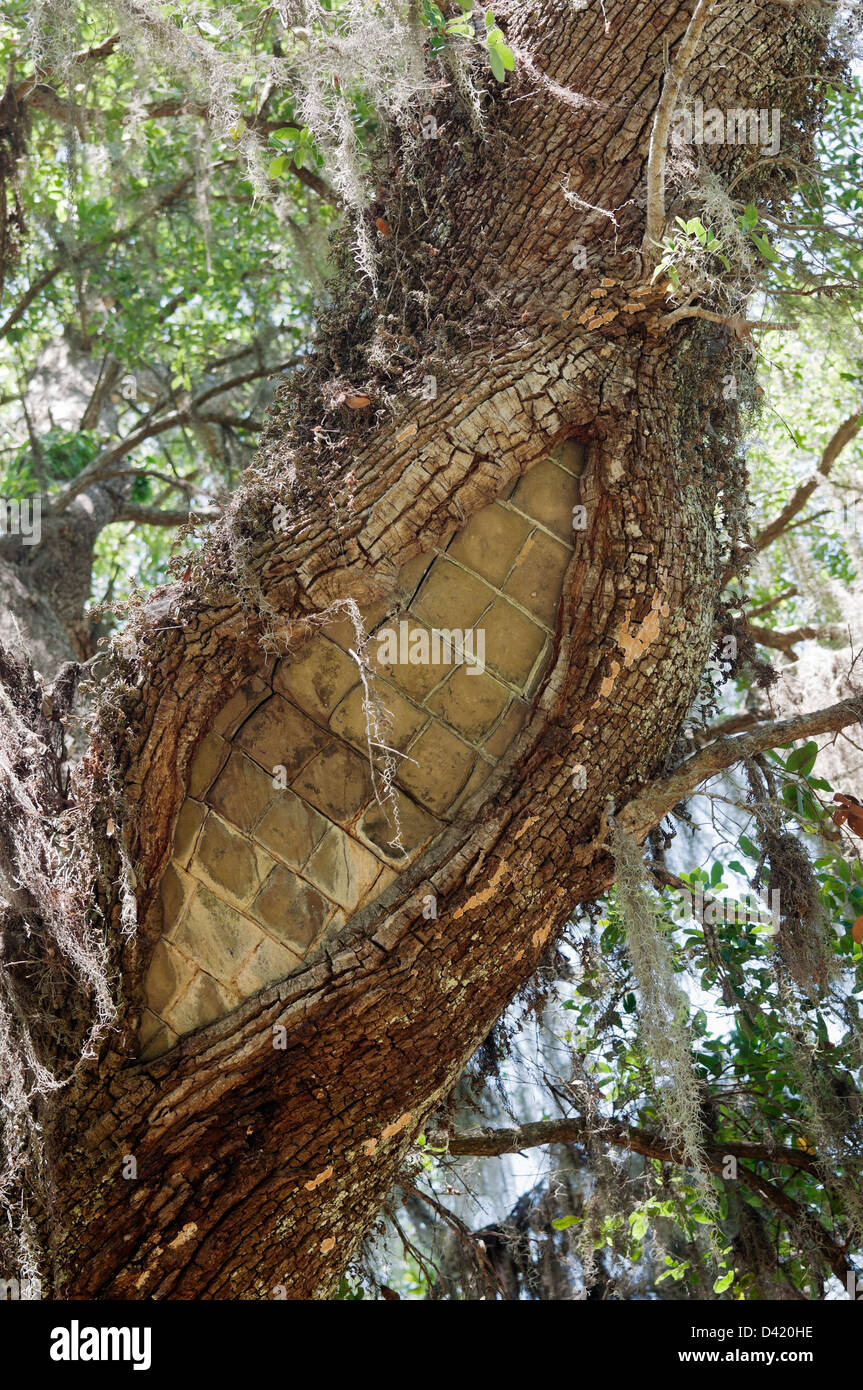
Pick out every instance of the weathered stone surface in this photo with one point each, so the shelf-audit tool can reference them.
(280, 735)
(188, 827)
(342, 868)
(170, 973)
(228, 862)
(501, 740)
(160, 1041)
(538, 575)
(241, 704)
(415, 679)
(271, 961)
(342, 630)
(470, 702)
(337, 782)
(216, 936)
(548, 494)
(243, 792)
(204, 1001)
(490, 542)
(441, 764)
(291, 910)
(176, 889)
(207, 764)
(451, 597)
(512, 642)
(291, 829)
(404, 718)
(317, 678)
(571, 456)
(378, 828)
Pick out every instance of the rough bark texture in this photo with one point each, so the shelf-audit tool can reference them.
(261, 1166)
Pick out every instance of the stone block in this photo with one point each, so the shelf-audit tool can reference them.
(548, 494)
(205, 1000)
(176, 890)
(342, 631)
(470, 702)
(241, 704)
(403, 718)
(270, 962)
(317, 678)
(337, 782)
(537, 579)
(291, 829)
(451, 597)
(207, 763)
(187, 829)
(439, 766)
(243, 792)
(490, 542)
(417, 678)
(342, 868)
(512, 643)
(571, 456)
(161, 1041)
(217, 937)
(228, 862)
(291, 910)
(169, 974)
(377, 828)
(280, 735)
(504, 735)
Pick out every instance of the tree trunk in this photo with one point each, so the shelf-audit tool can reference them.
(262, 1156)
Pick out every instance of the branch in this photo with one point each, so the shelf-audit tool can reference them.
(647, 809)
(480, 1143)
(784, 639)
(656, 216)
(841, 436)
(156, 516)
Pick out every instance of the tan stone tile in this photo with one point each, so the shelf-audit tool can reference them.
(148, 1027)
(270, 962)
(168, 976)
(228, 862)
(337, 782)
(342, 630)
(490, 542)
(162, 1041)
(377, 827)
(240, 706)
(417, 676)
(548, 494)
(317, 678)
(187, 829)
(291, 829)
(243, 792)
(440, 765)
(176, 890)
(571, 456)
(478, 777)
(504, 735)
(216, 936)
(411, 575)
(280, 735)
(342, 868)
(537, 579)
(404, 720)
(450, 597)
(512, 642)
(205, 1001)
(207, 763)
(291, 910)
(470, 702)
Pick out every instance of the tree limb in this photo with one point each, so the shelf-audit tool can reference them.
(840, 437)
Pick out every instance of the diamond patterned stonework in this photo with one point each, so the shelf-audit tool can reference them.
(281, 838)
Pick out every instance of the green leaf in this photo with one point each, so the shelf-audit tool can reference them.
(497, 66)
(723, 1282)
(562, 1223)
(802, 760)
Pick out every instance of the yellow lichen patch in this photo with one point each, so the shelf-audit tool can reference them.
(523, 829)
(540, 937)
(635, 644)
(328, 1245)
(369, 1146)
(486, 893)
(397, 1126)
(608, 684)
(189, 1230)
(316, 1182)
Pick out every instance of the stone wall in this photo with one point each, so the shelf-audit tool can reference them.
(285, 833)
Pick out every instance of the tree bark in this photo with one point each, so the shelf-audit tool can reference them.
(261, 1168)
